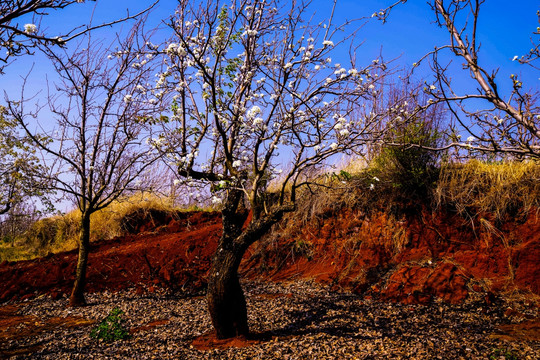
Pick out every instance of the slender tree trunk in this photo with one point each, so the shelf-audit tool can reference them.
(77, 294)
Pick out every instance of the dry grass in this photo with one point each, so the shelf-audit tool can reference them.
(107, 223)
(61, 232)
(506, 189)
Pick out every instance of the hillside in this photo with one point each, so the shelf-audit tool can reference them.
(417, 259)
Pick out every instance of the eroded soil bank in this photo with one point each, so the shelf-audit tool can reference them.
(416, 259)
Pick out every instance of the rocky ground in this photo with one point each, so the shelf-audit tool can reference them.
(295, 320)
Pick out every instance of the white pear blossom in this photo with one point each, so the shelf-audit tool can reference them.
(287, 65)
(333, 146)
(128, 98)
(470, 139)
(328, 43)
(171, 49)
(30, 28)
(250, 32)
(237, 163)
(253, 112)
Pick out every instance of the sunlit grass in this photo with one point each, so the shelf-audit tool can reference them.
(60, 232)
(502, 189)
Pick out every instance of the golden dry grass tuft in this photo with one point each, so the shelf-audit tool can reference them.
(504, 189)
(60, 232)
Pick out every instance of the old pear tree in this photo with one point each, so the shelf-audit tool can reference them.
(258, 93)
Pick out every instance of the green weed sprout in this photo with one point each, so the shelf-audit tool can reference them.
(111, 328)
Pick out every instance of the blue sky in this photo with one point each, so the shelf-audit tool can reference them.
(505, 28)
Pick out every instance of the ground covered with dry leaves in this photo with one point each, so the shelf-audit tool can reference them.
(295, 320)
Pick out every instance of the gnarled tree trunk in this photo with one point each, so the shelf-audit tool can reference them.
(226, 301)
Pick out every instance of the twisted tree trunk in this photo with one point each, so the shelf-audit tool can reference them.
(226, 301)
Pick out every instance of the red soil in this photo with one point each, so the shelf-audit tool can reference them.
(413, 260)
(176, 255)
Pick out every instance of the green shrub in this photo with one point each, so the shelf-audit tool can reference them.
(410, 169)
(111, 328)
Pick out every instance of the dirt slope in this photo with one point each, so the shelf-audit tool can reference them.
(413, 260)
(175, 255)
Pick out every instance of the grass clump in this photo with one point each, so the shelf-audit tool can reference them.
(61, 232)
(506, 189)
(112, 328)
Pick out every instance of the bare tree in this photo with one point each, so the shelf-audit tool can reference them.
(17, 39)
(257, 96)
(97, 149)
(509, 122)
(18, 164)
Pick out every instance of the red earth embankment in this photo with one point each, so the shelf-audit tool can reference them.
(174, 255)
(416, 260)
(424, 257)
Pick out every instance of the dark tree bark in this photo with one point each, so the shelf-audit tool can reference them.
(226, 301)
(77, 294)
(225, 297)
